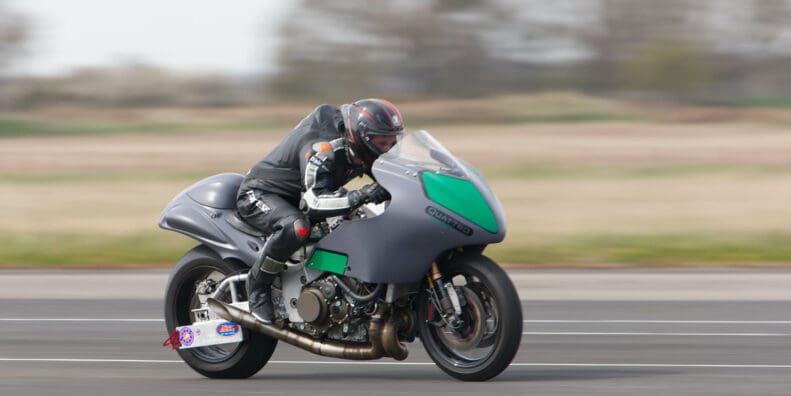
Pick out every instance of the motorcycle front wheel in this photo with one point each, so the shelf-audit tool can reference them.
(238, 360)
(487, 337)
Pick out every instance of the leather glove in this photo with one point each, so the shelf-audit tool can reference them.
(369, 193)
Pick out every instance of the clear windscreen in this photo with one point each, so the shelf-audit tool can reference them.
(421, 151)
(444, 179)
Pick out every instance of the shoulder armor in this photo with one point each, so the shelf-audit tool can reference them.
(323, 150)
(321, 147)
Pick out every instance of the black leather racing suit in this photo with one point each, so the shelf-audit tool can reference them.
(305, 170)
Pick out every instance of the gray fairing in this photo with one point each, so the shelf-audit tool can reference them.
(397, 246)
(400, 245)
(200, 212)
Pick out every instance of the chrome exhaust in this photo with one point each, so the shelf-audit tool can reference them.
(373, 351)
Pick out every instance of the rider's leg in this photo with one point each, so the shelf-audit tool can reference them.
(288, 227)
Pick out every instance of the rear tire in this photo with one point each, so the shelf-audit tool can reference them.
(240, 360)
(488, 342)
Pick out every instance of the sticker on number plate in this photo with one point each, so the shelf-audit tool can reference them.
(211, 332)
(227, 329)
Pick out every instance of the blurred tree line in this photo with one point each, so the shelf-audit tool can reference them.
(130, 85)
(697, 50)
(13, 33)
(711, 51)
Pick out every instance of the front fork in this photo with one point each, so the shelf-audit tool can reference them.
(446, 298)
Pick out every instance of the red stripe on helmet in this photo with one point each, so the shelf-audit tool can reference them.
(358, 146)
(365, 113)
(394, 109)
(387, 111)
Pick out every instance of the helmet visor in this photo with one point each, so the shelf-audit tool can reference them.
(380, 143)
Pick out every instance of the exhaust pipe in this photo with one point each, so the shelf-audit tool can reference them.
(390, 343)
(337, 350)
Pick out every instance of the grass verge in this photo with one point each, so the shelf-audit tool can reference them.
(672, 249)
(162, 249)
(152, 249)
(16, 128)
(773, 101)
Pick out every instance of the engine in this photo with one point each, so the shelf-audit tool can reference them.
(329, 312)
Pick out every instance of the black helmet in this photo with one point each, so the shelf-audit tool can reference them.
(367, 118)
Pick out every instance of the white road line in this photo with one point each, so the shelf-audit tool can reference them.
(580, 333)
(663, 321)
(604, 321)
(77, 320)
(58, 360)
(740, 366)
(695, 365)
(314, 362)
(532, 333)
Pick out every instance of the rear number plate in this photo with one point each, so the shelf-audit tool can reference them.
(213, 332)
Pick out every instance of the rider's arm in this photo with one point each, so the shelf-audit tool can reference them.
(320, 198)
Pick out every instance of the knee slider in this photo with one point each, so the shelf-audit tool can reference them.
(291, 233)
(301, 229)
(296, 227)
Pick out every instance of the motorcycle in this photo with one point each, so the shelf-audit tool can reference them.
(364, 284)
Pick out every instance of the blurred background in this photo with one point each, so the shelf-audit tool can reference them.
(615, 132)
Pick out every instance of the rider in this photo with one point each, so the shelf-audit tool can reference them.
(306, 170)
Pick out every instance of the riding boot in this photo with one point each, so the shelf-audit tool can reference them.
(259, 287)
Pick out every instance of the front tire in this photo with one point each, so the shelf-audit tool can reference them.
(492, 315)
(239, 360)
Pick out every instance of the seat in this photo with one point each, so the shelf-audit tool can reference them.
(237, 222)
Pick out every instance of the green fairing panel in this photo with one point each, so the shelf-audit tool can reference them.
(462, 197)
(323, 260)
(399, 245)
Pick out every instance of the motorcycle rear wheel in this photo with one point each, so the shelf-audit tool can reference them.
(492, 315)
(240, 360)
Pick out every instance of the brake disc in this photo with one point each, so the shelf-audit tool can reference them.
(471, 333)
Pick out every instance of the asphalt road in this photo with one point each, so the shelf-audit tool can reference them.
(589, 345)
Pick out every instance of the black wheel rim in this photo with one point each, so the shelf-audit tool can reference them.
(485, 325)
(188, 300)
